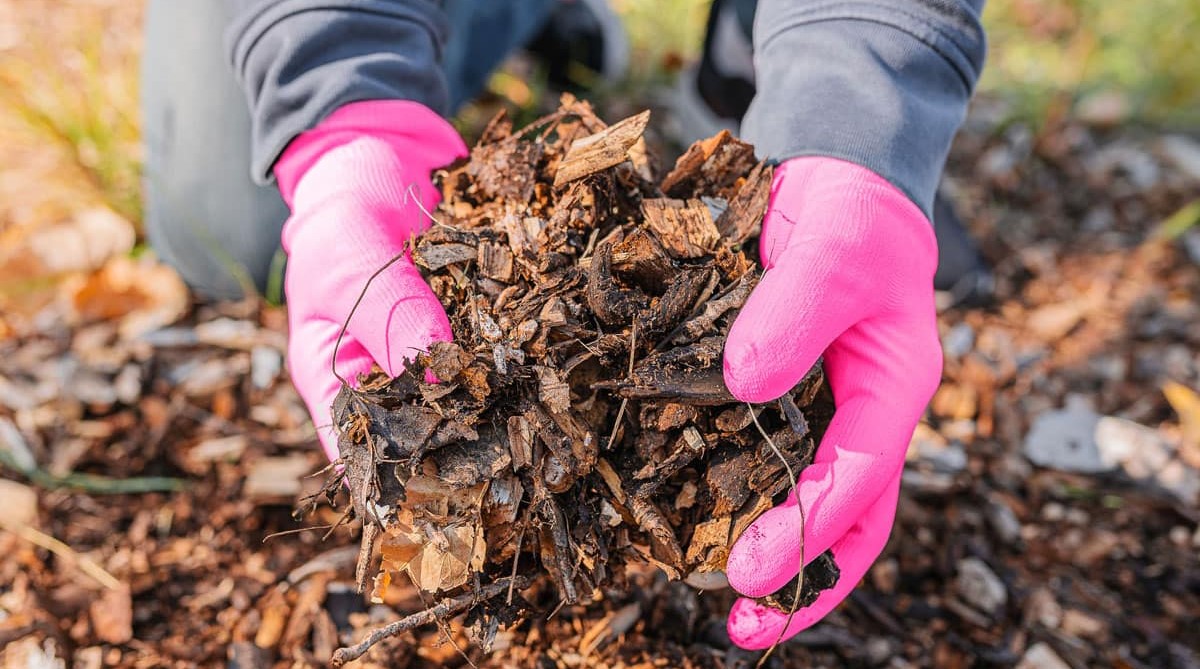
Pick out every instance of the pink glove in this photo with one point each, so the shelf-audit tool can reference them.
(354, 183)
(850, 262)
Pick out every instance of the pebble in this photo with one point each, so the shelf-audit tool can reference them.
(1003, 521)
(1042, 656)
(1064, 439)
(958, 341)
(980, 587)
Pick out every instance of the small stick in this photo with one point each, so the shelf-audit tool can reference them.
(410, 192)
(799, 574)
(612, 438)
(86, 564)
(444, 609)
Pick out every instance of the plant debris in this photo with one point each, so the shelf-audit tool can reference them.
(580, 422)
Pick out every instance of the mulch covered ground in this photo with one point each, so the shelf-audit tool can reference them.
(142, 478)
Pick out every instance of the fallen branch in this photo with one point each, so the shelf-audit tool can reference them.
(440, 611)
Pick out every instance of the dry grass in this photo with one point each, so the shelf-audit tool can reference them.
(68, 109)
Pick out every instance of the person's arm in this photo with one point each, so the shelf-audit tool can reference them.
(879, 83)
(346, 98)
(301, 60)
(859, 101)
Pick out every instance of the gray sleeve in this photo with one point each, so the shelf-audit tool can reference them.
(299, 60)
(883, 84)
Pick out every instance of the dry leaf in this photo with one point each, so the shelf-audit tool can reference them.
(142, 295)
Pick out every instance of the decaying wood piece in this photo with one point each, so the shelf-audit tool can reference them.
(607, 148)
(581, 420)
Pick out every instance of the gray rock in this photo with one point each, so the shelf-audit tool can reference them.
(980, 587)
(1042, 656)
(1003, 521)
(1065, 439)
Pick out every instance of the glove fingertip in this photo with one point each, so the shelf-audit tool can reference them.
(753, 627)
(767, 555)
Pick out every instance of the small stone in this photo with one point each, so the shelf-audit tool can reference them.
(1065, 440)
(980, 587)
(958, 341)
(1003, 521)
(1041, 656)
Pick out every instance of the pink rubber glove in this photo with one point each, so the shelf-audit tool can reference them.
(850, 262)
(353, 184)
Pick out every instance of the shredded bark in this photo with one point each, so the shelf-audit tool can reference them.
(581, 416)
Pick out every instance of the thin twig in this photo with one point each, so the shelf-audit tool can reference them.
(442, 610)
(86, 564)
(516, 561)
(612, 438)
(346, 323)
(800, 572)
(362, 293)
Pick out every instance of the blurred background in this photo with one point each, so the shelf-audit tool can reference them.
(1050, 514)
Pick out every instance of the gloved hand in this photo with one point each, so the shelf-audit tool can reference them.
(353, 184)
(850, 262)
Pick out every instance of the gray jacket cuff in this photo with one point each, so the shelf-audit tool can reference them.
(881, 84)
(300, 60)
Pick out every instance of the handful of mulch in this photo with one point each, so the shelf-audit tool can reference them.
(581, 422)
